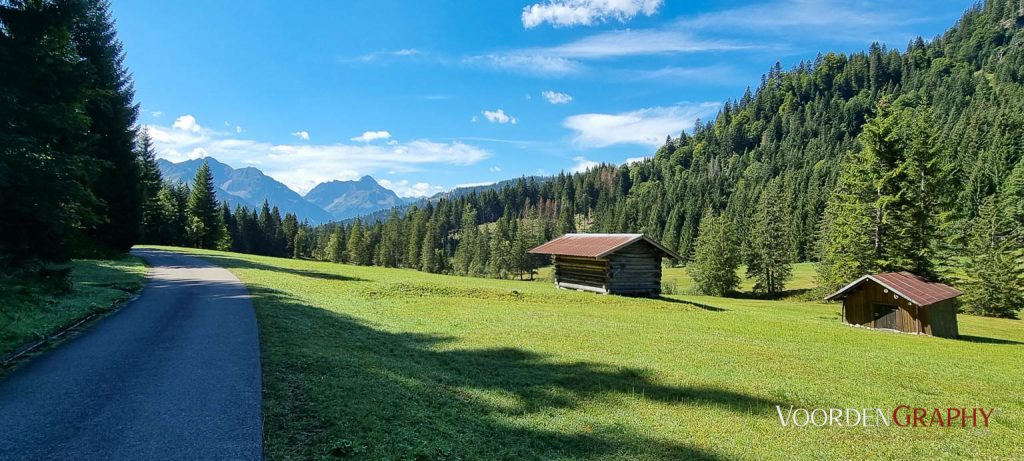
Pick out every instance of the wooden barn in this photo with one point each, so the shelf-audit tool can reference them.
(900, 301)
(622, 264)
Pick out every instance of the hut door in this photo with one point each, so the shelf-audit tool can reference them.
(885, 316)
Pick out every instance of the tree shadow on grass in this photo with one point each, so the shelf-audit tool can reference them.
(335, 386)
(704, 306)
(230, 262)
(984, 340)
(793, 293)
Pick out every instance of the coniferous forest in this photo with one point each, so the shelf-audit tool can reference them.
(883, 160)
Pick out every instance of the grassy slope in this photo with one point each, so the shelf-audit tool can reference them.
(30, 312)
(391, 363)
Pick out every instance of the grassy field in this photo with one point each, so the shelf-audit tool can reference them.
(31, 311)
(396, 364)
(677, 277)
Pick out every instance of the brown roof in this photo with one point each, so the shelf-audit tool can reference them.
(596, 245)
(915, 289)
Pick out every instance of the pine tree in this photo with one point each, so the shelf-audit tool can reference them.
(768, 260)
(990, 282)
(466, 250)
(715, 258)
(356, 249)
(46, 204)
(151, 182)
(846, 245)
(335, 251)
(289, 229)
(112, 113)
(205, 228)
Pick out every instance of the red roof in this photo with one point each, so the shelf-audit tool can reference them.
(915, 289)
(596, 245)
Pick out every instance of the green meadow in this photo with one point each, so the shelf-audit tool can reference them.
(30, 310)
(375, 363)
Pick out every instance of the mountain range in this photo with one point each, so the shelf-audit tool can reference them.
(329, 201)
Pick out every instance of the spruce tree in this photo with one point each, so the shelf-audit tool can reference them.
(151, 182)
(355, 246)
(715, 258)
(112, 115)
(990, 282)
(46, 204)
(205, 228)
(846, 246)
(768, 259)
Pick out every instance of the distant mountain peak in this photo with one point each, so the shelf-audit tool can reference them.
(347, 199)
(247, 187)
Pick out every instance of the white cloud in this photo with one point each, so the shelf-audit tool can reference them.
(647, 127)
(499, 116)
(560, 13)
(528, 63)
(238, 129)
(494, 169)
(473, 119)
(565, 59)
(198, 152)
(404, 189)
(303, 135)
(635, 43)
(528, 97)
(156, 113)
(389, 53)
(555, 97)
(303, 165)
(635, 160)
(368, 136)
(474, 184)
(798, 13)
(583, 164)
(186, 123)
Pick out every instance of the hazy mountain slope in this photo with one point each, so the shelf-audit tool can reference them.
(347, 199)
(246, 186)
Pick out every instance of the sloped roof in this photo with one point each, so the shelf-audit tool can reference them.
(915, 289)
(596, 245)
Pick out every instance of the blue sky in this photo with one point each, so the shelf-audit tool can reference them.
(427, 95)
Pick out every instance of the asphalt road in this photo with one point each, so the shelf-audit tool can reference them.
(173, 375)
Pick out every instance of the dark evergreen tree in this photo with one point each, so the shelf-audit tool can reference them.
(768, 259)
(715, 258)
(112, 113)
(990, 282)
(205, 228)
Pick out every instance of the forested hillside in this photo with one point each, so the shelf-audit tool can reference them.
(948, 118)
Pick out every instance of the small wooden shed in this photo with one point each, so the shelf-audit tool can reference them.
(623, 264)
(900, 301)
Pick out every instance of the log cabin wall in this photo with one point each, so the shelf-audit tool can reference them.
(636, 270)
(940, 319)
(577, 273)
(859, 308)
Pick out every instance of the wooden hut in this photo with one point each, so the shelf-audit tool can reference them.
(900, 301)
(624, 264)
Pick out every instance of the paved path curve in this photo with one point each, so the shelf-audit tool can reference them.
(173, 375)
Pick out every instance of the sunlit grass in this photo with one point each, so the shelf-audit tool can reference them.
(397, 364)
